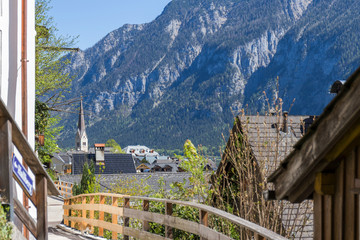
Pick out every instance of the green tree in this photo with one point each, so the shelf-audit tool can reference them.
(88, 183)
(194, 163)
(5, 226)
(115, 147)
(50, 79)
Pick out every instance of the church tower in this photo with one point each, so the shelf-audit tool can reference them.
(81, 140)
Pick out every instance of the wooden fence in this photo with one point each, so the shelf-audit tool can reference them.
(10, 136)
(114, 212)
(65, 188)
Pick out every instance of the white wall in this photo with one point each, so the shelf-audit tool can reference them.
(10, 64)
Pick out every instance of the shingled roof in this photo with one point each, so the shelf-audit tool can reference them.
(268, 140)
(113, 164)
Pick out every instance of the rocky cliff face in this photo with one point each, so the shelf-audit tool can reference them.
(183, 74)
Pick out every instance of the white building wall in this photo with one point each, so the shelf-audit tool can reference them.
(10, 69)
(10, 64)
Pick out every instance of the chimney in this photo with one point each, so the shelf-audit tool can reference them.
(99, 153)
(284, 126)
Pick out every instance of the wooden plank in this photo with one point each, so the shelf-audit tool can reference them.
(95, 222)
(25, 149)
(203, 220)
(6, 182)
(83, 211)
(41, 206)
(169, 212)
(327, 216)
(349, 197)
(72, 212)
(158, 218)
(138, 234)
(126, 219)
(146, 224)
(338, 202)
(114, 217)
(325, 183)
(97, 207)
(318, 217)
(101, 216)
(225, 215)
(66, 211)
(175, 222)
(92, 201)
(25, 217)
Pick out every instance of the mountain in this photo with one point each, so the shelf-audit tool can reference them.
(184, 75)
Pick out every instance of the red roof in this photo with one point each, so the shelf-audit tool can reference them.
(99, 144)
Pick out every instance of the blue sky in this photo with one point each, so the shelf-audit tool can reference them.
(91, 20)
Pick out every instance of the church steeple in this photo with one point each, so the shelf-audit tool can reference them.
(81, 140)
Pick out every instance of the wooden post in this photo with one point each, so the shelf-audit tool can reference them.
(126, 219)
(41, 206)
(71, 202)
(168, 211)
(6, 181)
(66, 212)
(258, 237)
(83, 214)
(101, 216)
(146, 225)
(203, 220)
(114, 217)
(92, 202)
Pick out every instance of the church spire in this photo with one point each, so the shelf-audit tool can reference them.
(81, 122)
(81, 140)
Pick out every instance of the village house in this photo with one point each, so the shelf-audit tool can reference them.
(324, 166)
(254, 150)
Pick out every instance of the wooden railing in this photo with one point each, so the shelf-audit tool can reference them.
(65, 188)
(104, 210)
(10, 136)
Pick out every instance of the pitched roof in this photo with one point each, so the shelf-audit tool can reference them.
(269, 142)
(113, 164)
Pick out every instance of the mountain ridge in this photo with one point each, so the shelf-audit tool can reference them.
(186, 73)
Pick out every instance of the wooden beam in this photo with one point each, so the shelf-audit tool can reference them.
(169, 212)
(6, 182)
(92, 201)
(114, 217)
(24, 217)
(101, 215)
(325, 183)
(25, 149)
(126, 219)
(41, 206)
(203, 220)
(146, 224)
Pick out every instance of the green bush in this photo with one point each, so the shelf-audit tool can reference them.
(5, 226)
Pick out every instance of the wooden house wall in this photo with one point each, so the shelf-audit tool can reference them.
(337, 215)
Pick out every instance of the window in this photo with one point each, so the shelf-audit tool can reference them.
(84, 143)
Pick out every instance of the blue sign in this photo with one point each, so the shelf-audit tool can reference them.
(22, 175)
